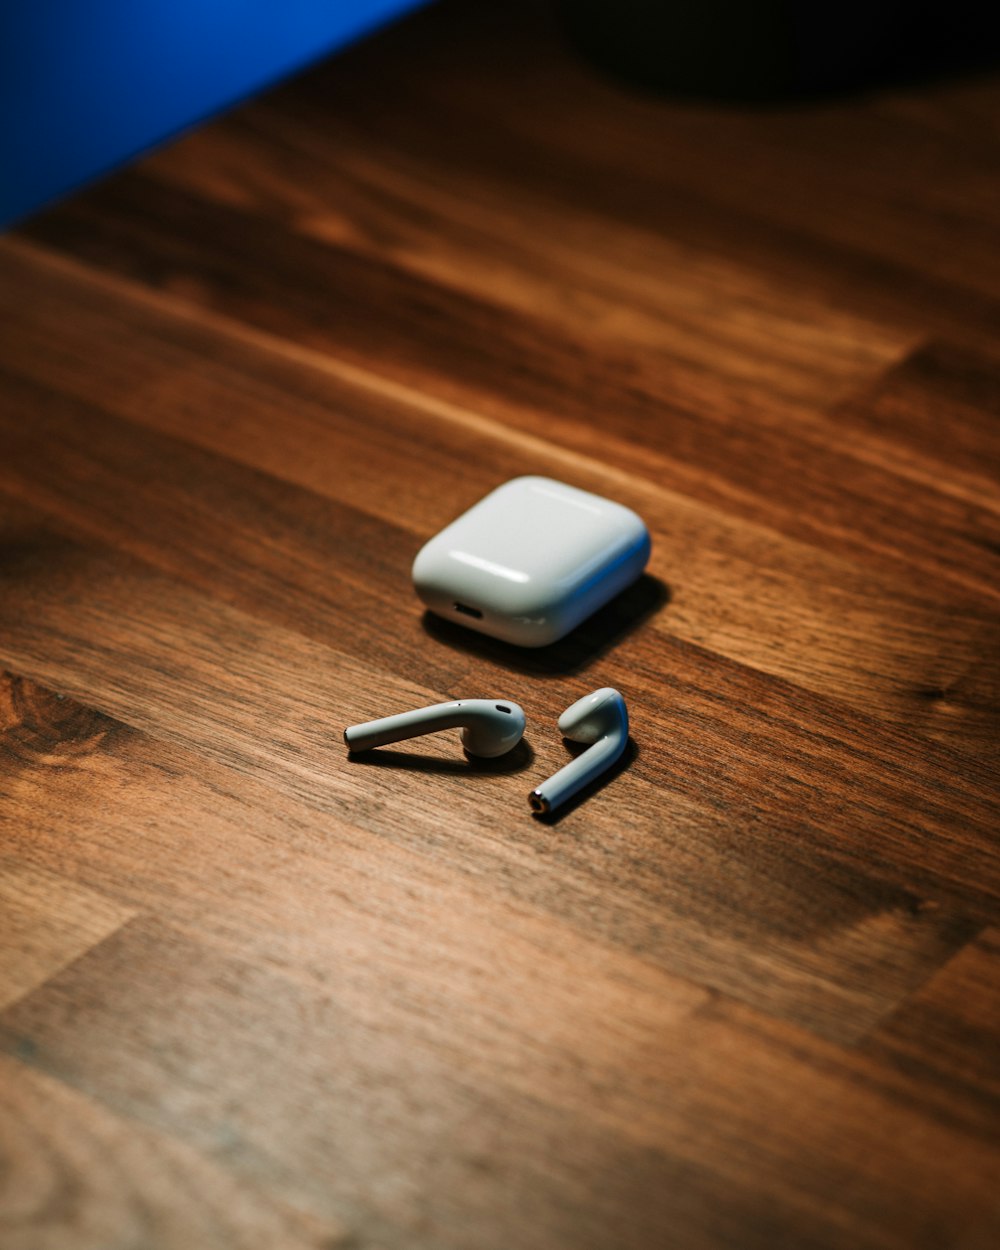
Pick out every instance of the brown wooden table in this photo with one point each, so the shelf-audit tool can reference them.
(747, 993)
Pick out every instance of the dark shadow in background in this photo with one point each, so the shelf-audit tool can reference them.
(572, 654)
(779, 50)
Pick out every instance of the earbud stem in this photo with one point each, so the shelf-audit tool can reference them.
(489, 727)
(572, 777)
(379, 733)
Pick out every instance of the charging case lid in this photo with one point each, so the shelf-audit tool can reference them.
(531, 560)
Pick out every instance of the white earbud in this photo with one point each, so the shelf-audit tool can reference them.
(601, 719)
(489, 727)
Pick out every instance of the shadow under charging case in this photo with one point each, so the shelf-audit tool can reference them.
(531, 560)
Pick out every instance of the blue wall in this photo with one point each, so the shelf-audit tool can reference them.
(86, 84)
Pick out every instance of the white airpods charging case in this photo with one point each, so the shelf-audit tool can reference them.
(531, 560)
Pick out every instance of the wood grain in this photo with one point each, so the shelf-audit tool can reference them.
(250, 956)
(874, 640)
(75, 1174)
(47, 923)
(744, 994)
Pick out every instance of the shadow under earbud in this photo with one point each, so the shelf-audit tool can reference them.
(515, 761)
(628, 757)
(579, 649)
